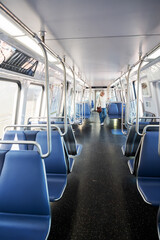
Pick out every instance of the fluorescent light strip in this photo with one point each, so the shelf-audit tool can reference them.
(9, 27)
(30, 43)
(68, 71)
(79, 80)
(155, 54)
(51, 58)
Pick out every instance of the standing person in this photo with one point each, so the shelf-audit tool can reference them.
(102, 102)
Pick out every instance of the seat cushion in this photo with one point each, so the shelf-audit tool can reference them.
(22, 227)
(56, 186)
(149, 188)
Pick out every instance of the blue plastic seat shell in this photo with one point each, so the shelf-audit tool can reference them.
(56, 186)
(150, 190)
(14, 226)
(24, 202)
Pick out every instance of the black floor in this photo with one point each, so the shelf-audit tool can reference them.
(101, 201)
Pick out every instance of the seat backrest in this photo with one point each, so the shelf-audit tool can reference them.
(149, 161)
(55, 163)
(87, 109)
(133, 139)
(119, 105)
(92, 104)
(69, 139)
(23, 188)
(14, 135)
(2, 157)
(30, 136)
(113, 109)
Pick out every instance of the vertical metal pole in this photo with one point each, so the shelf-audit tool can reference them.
(90, 97)
(84, 102)
(138, 86)
(128, 99)
(159, 141)
(65, 99)
(82, 106)
(47, 101)
(122, 109)
(74, 98)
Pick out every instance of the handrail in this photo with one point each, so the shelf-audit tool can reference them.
(49, 140)
(74, 96)
(144, 118)
(65, 99)
(148, 126)
(122, 123)
(24, 142)
(35, 125)
(138, 87)
(74, 99)
(128, 99)
(51, 118)
(159, 142)
(84, 107)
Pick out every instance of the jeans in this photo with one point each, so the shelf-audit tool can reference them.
(102, 115)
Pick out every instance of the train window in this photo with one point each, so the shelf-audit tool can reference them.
(145, 89)
(134, 88)
(34, 96)
(157, 96)
(56, 93)
(70, 102)
(6, 51)
(15, 60)
(8, 98)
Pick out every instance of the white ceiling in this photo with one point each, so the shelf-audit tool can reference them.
(100, 36)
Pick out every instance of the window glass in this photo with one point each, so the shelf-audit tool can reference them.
(70, 103)
(34, 96)
(8, 99)
(55, 95)
(158, 98)
(15, 60)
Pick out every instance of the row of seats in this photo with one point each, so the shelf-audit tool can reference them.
(115, 110)
(28, 183)
(146, 165)
(86, 110)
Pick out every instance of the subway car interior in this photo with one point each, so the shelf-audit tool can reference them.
(79, 120)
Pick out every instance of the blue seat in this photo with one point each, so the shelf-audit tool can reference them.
(24, 203)
(148, 172)
(113, 110)
(133, 139)
(78, 110)
(74, 149)
(92, 104)
(30, 136)
(69, 160)
(2, 157)
(56, 167)
(87, 110)
(119, 105)
(14, 135)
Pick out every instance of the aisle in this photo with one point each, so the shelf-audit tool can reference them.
(101, 201)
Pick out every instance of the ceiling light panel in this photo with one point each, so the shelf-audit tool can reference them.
(8, 27)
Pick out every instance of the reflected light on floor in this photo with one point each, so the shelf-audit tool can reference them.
(80, 127)
(115, 123)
